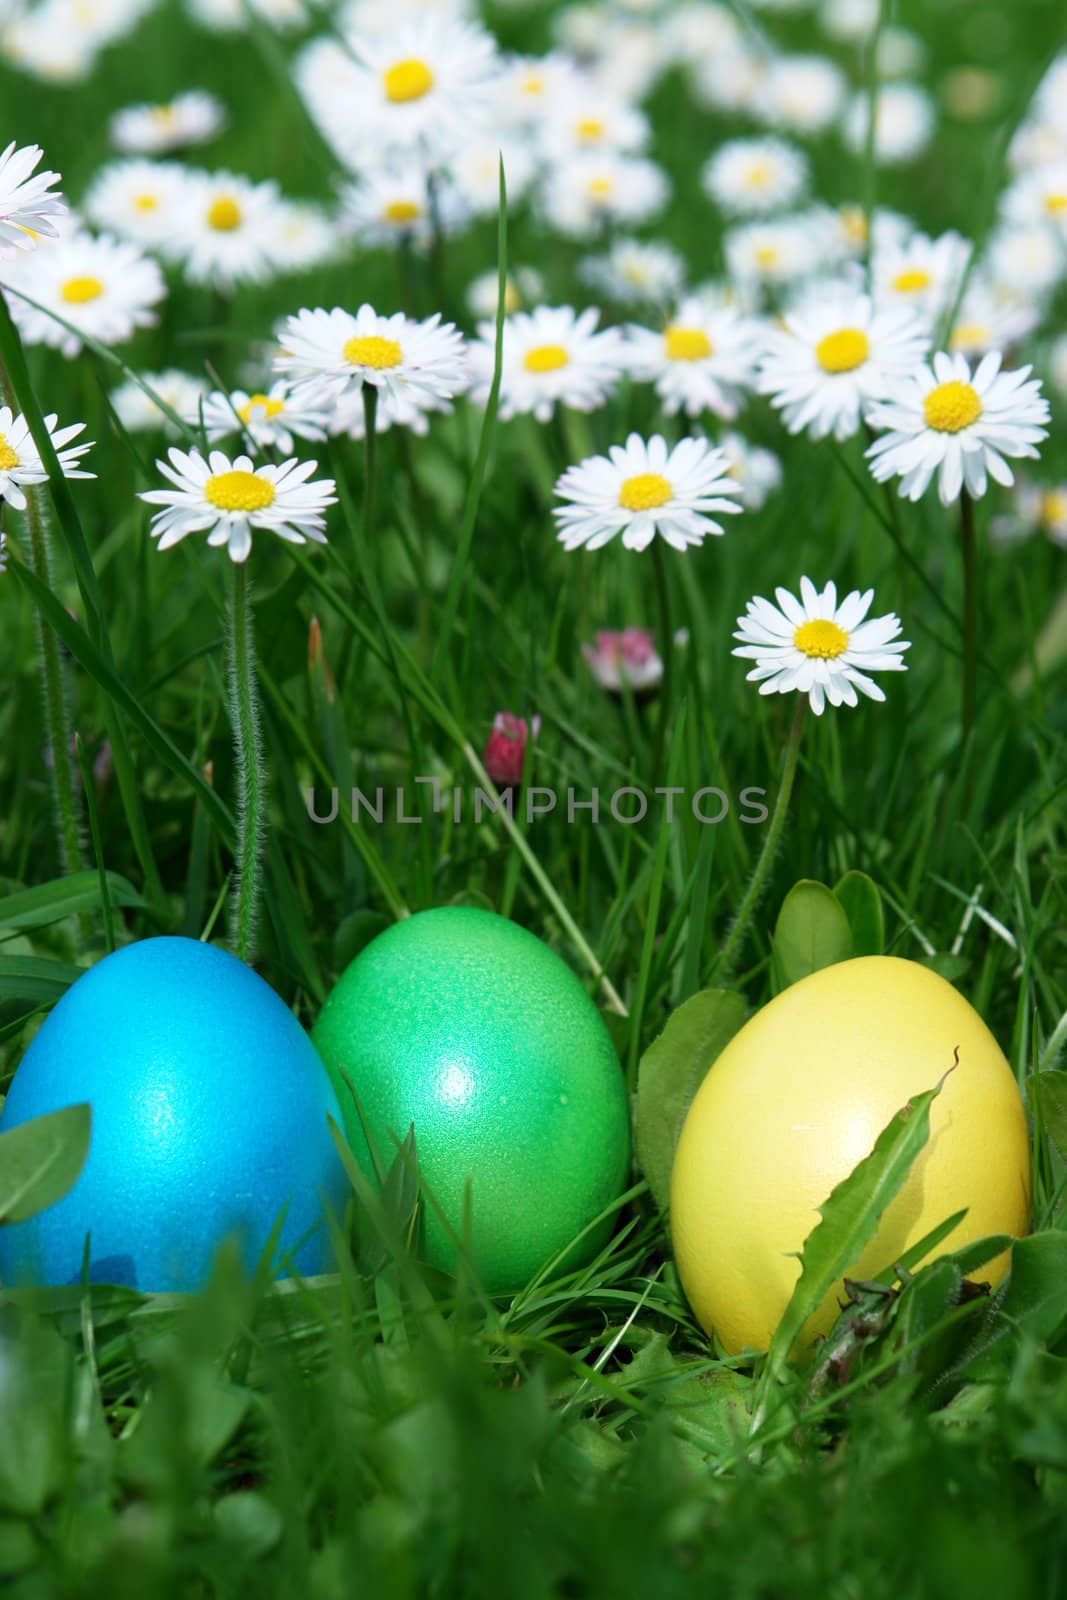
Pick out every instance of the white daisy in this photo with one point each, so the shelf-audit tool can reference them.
(833, 356)
(583, 117)
(267, 421)
(421, 88)
(388, 204)
(753, 177)
(228, 499)
(804, 94)
(140, 200)
(900, 53)
(349, 417)
(903, 124)
(104, 287)
(300, 235)
(227, 230)
(768, 255)
(20, 462)
(701, 30)
(816, 647)
(849, 19)
(990, 320)
(642, 489)
(921, 272)
(27, 209)
(526, 86)
(474, 171)
(139, 413)
(634, 272)
(703, 360)
(1039, 198)
(583, 196)
(327, 354)
(551, 356)
(522, 288)
(1026, 261)
(733, 83)
(151, 130)
(758, 471)
(944, 420)
(1035, 508)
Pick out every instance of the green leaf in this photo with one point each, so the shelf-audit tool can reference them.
(63, 897)
(41, 1160)
(946, 965)
(861, 902)
(36, 978)
(850, 1219)
(812, 932)
(1048, 1092)
(671, 1071)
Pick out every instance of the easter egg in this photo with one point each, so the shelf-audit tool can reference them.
(209, 1109)
(798, 1098)
(463, 1024)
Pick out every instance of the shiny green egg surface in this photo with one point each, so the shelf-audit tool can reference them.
(464, 1024)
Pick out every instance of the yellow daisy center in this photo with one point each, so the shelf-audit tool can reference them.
(545, 358)
(687, 344)
(758, 175)
(163, 116)
(402, 211)
(260, 402)
(821, 639)
(533, 83)
(854, 222)
(1053, 502)
(966, 335)
(589, 130)
(767, 255)
(912, 281)
(645, 492)
(1056, 204)
(843, 351)
(407, 80)
(146, 202)
(600, 188)
(8, 457)
(224, 214)
(373, 351)
(952, 406)
(78, 291)
(238, 491)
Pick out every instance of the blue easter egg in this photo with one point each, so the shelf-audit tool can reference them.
(209, 1108)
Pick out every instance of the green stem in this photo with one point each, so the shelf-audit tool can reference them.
(970, 612)
(251, 780)
(370, 459)
(54, 693)
(666, 644)
(756, 884)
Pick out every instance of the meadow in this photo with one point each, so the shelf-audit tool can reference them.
(383, 1429)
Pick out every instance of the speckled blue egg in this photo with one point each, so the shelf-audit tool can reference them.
(209, 1107)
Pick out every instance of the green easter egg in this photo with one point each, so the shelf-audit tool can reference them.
(467, 1026)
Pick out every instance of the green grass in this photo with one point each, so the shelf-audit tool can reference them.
(380, 1432)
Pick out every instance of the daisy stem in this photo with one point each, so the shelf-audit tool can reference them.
(970, 612)
(370, 460)
(251, 779)
(663, 603)
(757, 883)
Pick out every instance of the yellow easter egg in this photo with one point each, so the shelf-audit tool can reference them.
(798, 1098)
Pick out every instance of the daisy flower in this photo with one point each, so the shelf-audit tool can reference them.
(642, 489)
(804, 94)
(20, 462)
(228, 499)
(903, 123)
(422, 86)
(26, 206)
(152, 130)
(988, 320)
(753, 177)
(103, 287)
(732, 83)
(833, 356)
(758, 471)
(474, 171)
(1034, 508)
(636, 273)
(582, 196)
(227, 229)
(140, 200)
(921, 272)
(327, 354)
(703, 360)
(849, 19)
(1026, 261)
(301, 235)
(526, 86)
(583, 117)
(627, 657)
(551, 356)
(521, 289)
(816, 647)
(389, 204)
(268, 421)
(768, 255)
(946, 420)
(139, 413)
(1039, 197)
(348, 419)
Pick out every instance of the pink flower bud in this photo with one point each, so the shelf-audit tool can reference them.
(505, 749)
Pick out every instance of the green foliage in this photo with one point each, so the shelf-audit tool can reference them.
(40, 1160)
